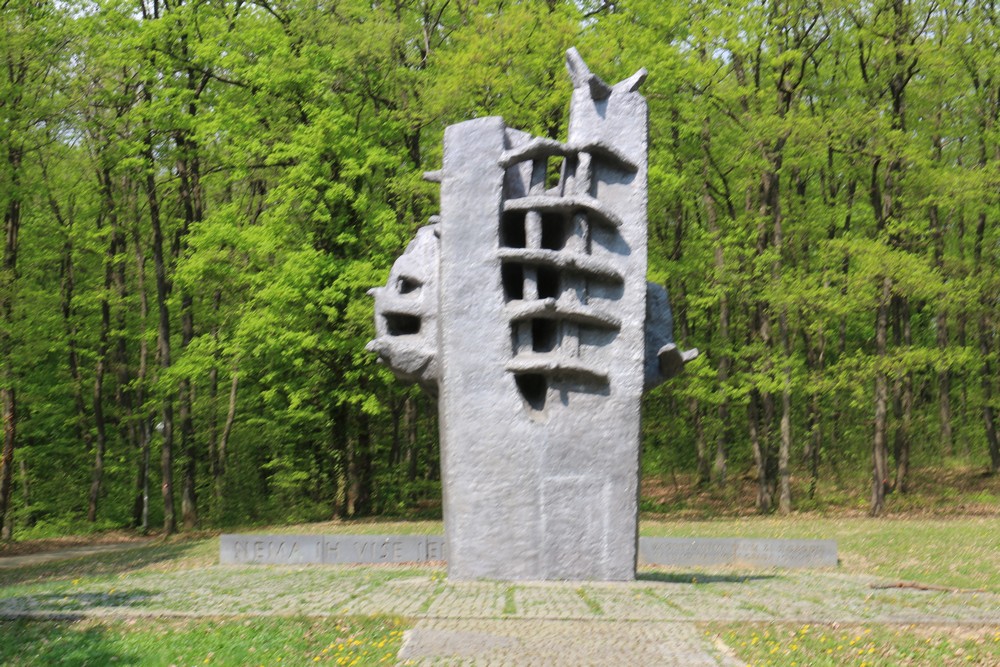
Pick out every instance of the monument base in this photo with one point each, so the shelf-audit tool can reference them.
(656, 551)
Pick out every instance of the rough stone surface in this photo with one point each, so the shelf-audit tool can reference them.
(300, 549)
(668, 551)
(541, 340)
(705, 551)
(406, 328)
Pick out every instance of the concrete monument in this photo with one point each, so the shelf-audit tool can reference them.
(524, 306)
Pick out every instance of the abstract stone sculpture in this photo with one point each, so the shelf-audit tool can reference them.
(524, 306)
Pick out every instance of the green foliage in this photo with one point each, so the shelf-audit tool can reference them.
(798, 157)
(365, 641)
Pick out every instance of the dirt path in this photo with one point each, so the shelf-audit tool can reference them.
(42, 557)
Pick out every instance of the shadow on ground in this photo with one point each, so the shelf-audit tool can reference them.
(105, 563)
(700, 577)
(66, 606)
(64, 642)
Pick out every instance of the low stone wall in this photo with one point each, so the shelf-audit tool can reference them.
(665, 551)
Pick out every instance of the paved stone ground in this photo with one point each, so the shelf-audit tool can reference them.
(650, 621)
(559, 642)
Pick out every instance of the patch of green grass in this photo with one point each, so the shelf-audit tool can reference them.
(438, 589)
(590, 601)
(958, 552)
(256, 641)
(357, 527)
(509, 602)
(786, 644)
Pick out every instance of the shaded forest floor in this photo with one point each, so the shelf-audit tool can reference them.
(938, 491)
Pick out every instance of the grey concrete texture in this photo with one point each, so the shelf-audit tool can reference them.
(544, 643)
(542, 338)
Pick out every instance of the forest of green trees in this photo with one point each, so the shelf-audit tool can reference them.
(196, 195)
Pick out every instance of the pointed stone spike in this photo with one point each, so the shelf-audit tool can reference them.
(581, 75)
(631, 84)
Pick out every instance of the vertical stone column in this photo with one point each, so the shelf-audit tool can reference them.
(542, 341)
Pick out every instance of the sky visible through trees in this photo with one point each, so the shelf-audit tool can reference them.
(197, 194)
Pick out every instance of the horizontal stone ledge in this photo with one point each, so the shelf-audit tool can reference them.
(667, 551)
(331, 549)
(752, 552)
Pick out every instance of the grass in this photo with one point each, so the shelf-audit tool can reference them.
(256, 641)
(792, 645)
(366, 527)
(592, 604)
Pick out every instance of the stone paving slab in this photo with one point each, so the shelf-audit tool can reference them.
(822, 597)
(519, 642)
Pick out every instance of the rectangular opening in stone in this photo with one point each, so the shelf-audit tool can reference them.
(544, 335)
(533, 388)
(402, 325)
(512, 230)
(553, 231)
(553, 172)
(548, 282)
(512, 276)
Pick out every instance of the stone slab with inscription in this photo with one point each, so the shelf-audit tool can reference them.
(330, 549)
(702, 552)
(669, 551)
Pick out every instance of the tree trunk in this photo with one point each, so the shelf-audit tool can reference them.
(757, 440)
(396, 447)
(725, 363)
(944, 387)
(986, 335)
(140, 510)
(8, 405)
(989, 418)
(880, 454)
(189, 499)
(29, 520)
(163, 339)
(8, 395)
(190, 193)
(815, 442)
(213, 403)
(701, 449)
(227, 430)
(410, 417)
(97, 477)
(904, 388)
